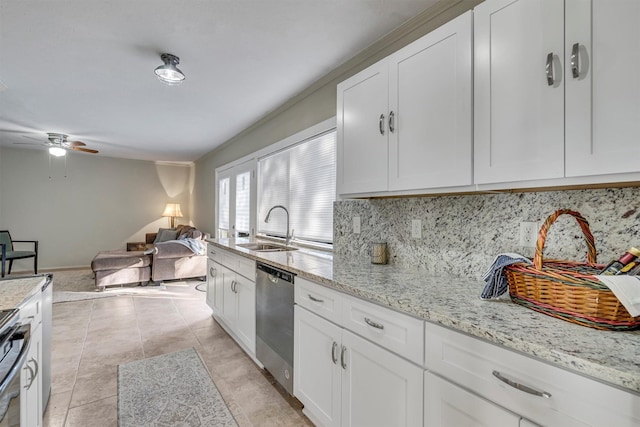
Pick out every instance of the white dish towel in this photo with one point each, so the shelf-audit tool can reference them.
(626, 289)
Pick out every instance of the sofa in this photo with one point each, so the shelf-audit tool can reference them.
(166, 258)
(172, 260)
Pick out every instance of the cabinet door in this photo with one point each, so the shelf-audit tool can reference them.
(519, 117)
(446, 404)
(214, 286)
(378, 387)
(31, 383)
(603, 107)
(246, 312)
(362, 117)
(316, 367)
(229, 305)
(430, 140)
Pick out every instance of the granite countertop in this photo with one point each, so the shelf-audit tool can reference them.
(455, 302)
(15, 291)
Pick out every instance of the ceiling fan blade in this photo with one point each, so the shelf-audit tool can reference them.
(27, 143)
(85, 150)
(76, 144)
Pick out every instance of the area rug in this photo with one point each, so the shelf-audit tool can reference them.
(173, 389)
(77, 285)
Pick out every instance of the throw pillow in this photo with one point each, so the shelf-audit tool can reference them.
(166, 234)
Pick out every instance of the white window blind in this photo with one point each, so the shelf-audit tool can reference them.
(302, 179)
(223, 207)
(243, 195)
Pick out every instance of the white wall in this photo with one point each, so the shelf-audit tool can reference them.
(94, 203)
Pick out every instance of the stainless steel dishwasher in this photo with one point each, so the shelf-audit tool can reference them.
(274, 322)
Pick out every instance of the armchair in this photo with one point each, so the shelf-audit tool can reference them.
(9, 254)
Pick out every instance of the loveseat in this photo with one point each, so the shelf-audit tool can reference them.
(178, 253)
(172, 259)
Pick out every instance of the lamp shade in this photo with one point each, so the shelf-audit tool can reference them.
(172, 210)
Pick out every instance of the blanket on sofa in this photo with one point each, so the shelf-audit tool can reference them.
(177, 248)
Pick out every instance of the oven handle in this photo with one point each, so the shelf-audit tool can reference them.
(22, 357)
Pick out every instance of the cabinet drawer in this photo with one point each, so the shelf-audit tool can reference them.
(31, 310)
(319, 299)
(569, 400)
(241, 265)
(394, 331)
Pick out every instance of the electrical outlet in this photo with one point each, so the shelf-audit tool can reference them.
(528, 234)
(356, 224)
(416, 229)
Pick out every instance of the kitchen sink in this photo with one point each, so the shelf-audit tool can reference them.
(266, 247)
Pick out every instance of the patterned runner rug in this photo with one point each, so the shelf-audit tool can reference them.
(170, 390)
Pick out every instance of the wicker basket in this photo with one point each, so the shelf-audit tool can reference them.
(568, 290)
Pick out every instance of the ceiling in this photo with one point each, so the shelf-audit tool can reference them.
(85, 67)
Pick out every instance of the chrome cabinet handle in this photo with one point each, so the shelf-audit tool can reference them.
(212, 272)
(343, 362)
(32, 376)
(373, 324)
(334, 356)
(549, 69)
(392, 122)
(381, 124)
(233, 286)
(35, 363)
(314, 299)
(521, 387)
(575, 60)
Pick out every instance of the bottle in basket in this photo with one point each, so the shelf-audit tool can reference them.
(616, 267)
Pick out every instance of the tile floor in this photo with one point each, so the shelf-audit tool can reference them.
(91, 337)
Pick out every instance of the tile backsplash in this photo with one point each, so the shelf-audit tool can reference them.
(462, 234)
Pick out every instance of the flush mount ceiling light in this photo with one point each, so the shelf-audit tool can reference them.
(169, 73)
(57, 151)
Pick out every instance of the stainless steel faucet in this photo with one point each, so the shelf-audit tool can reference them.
(287, 239)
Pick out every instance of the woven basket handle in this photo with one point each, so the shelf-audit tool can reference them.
(542, 236)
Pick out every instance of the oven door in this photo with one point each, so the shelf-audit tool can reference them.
(14, 347)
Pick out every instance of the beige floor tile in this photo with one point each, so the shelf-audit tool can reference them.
(57, 408)
(101, 413)
(95, 386)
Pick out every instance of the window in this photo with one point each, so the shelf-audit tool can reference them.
(298, 173)
(236, 200)
(301, 178)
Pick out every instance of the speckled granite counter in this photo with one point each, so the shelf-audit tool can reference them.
(612, 357)
(14, 291)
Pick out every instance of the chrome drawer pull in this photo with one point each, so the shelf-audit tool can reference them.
(392, 122)
(334, 356)
(312, 298)
(575, 60)
(343, 362)
(381, 124)
(373, 324)
(549, 69)
(521, 387)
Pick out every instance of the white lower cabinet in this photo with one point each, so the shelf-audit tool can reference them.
(232, 296)
(345, 380)
(31, 376)
(447, 405)
(536, 391)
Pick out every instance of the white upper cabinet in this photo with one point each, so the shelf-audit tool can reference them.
(430, 123)
(603, 98)
(405, 122)
(362, 131)
(519, 90)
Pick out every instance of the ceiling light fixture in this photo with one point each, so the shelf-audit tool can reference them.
(169, 73)
(57, 151)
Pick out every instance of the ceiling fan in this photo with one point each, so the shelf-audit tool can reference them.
(58, 144)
